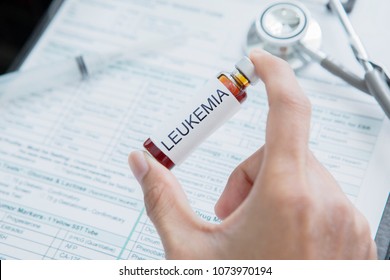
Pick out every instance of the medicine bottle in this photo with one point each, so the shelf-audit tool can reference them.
(213, 105)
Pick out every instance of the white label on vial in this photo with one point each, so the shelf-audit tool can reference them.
(207, 111)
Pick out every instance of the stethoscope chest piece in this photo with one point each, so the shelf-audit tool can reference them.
(280, 28)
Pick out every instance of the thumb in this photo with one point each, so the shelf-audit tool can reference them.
(166, 203)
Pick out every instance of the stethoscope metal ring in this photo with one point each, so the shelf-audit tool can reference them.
(280, 28)
(270, 28)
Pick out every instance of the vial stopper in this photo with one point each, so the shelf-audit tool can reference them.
(246, 67)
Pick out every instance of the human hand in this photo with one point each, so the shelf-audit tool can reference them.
(280, 203)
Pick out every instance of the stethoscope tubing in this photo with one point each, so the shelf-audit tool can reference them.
(336, 68)
(375, 81)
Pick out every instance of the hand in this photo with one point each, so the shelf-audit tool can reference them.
(280, 203)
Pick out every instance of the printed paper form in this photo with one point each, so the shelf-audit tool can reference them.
(66, 190)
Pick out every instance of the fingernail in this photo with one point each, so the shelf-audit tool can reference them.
(138, 164)
(258, 52)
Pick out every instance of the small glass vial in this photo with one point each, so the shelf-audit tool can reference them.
(216, 102)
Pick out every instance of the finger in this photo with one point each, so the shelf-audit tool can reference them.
(166, 203)
(288, 123)
(364, 244)
(239, 185)
(373, 251)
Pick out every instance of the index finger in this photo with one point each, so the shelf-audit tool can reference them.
(288, 124)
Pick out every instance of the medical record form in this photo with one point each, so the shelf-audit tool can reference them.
(66, 191)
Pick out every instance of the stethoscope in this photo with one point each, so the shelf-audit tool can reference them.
(287, 30)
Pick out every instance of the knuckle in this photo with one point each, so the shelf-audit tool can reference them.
(282, 64)
(367, 246)
(372, 251)
(341, 214)
(295, 101)
(304, 205)
(363, 229)
(342, 209)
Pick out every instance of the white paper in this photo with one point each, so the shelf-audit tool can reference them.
(65, 187)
